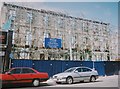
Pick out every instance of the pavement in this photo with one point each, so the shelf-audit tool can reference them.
(106, 81)
(103, 81)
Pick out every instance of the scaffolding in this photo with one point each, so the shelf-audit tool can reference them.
(89, 39)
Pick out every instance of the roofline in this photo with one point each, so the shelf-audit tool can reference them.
(54, 13)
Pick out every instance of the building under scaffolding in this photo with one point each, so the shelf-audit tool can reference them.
(88, 39)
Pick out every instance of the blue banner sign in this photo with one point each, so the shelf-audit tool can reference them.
(52, 43)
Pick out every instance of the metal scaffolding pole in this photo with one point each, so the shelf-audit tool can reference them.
(70, 45)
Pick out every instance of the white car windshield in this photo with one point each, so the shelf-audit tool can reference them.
(70, 70)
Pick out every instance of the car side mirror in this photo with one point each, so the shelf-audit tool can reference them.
(76, 71)
(9, 73)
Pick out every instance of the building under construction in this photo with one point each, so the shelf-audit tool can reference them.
(85, 39)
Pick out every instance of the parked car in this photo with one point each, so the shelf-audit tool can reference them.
(20, 75)
(76, 74)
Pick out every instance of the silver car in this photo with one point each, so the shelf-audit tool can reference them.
(76, 74)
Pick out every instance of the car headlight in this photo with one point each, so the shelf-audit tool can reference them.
(54, 77)
(61, 77)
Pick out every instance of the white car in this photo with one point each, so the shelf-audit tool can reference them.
(76, 74)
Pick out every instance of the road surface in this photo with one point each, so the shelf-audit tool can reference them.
(106, 81)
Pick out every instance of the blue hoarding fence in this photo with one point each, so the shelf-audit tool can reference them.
(51, 67)
(112, 68)
(22, 63)
(100, 67)
(53, 43)
(56, 66)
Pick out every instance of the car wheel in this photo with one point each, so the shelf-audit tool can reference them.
(36, 82)
(69, 80)
(92, 79)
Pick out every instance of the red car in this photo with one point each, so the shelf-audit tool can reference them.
(23, 75)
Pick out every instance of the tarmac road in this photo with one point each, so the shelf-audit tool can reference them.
(106, 81)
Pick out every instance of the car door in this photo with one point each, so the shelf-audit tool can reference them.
(7, 78)
(78, 75)
(16, 73)
(85, 73)
(12, 76)
(27, 75)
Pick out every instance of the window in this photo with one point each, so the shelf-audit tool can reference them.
(61, 22)
(47, 34)
(70, 70)
(28, 39)
(74, 26)
(15, 71)
(73, 40)
(29, 17)
(46, 20)
(85, 70)
(79, 69)
(25, 70)
(12, 13)
(60, 34)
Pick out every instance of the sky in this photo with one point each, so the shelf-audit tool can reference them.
(100, 11)
(60, 0)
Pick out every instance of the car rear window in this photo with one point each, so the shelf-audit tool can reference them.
(25, 70)
(85, 70)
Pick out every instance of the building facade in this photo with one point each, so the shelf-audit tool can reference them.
(88, 39)
(114, 46)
